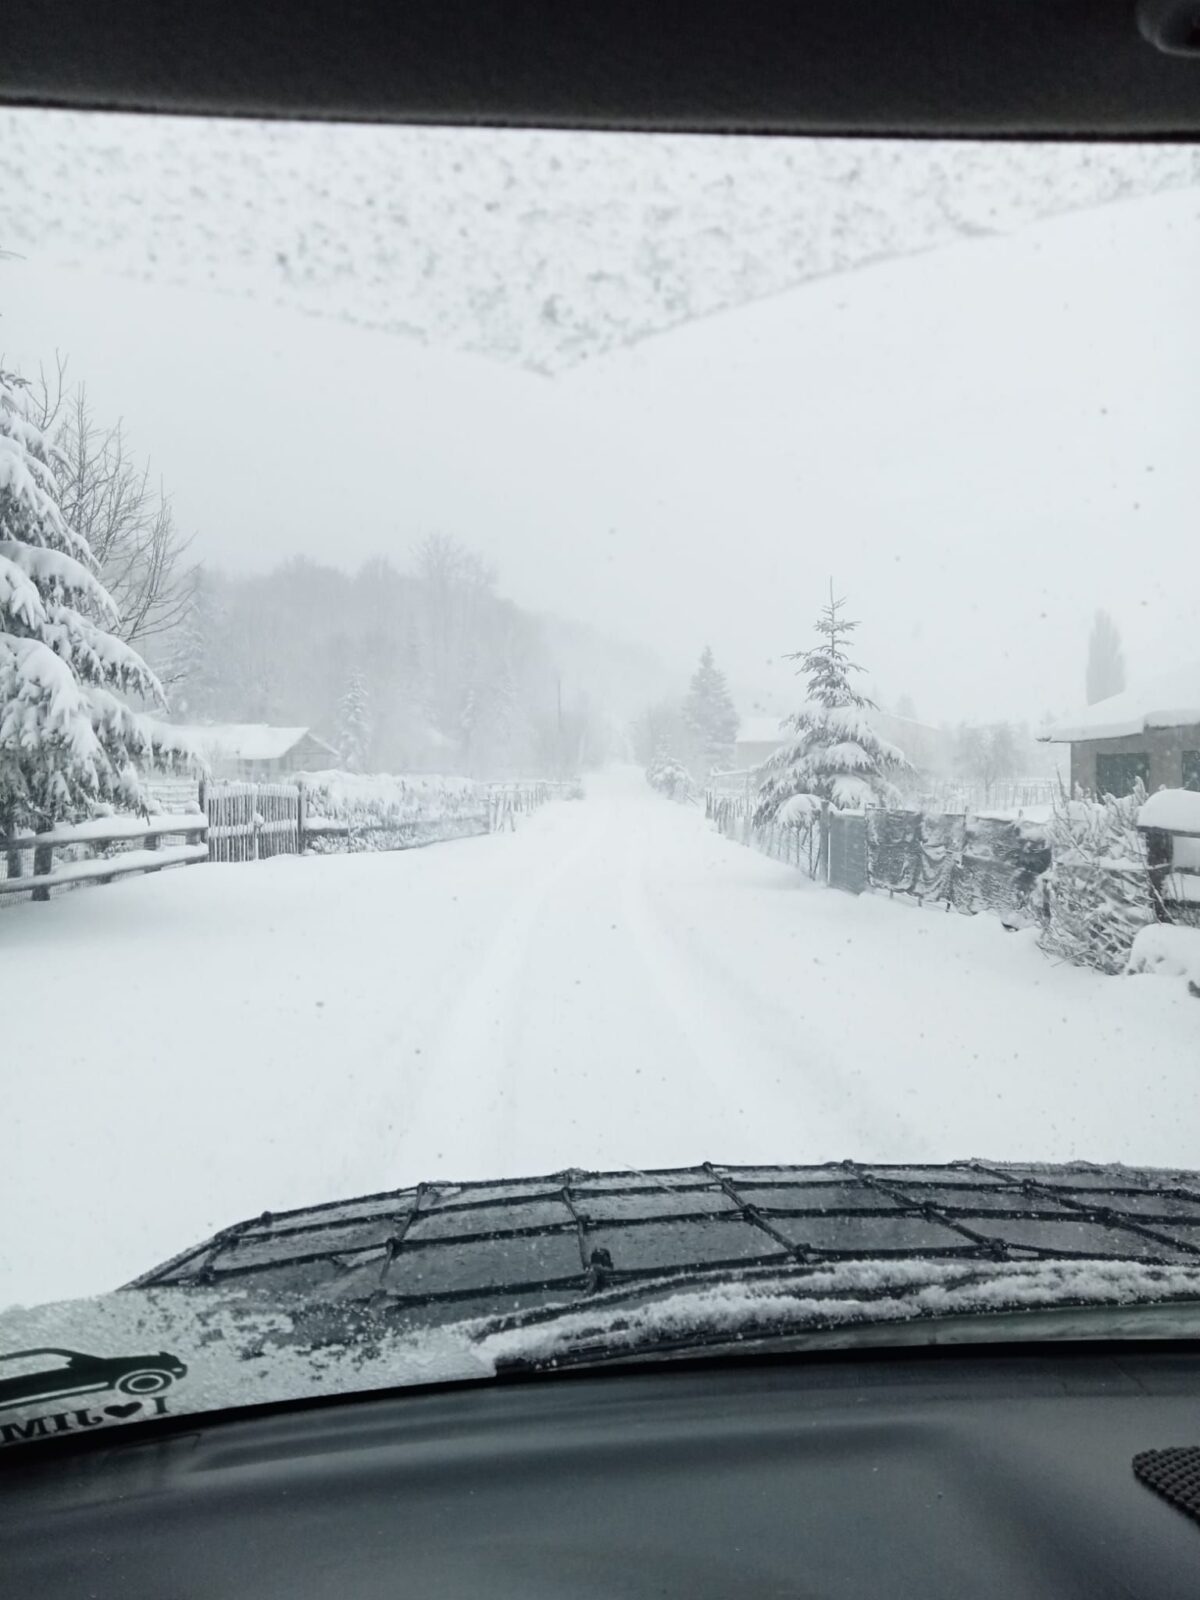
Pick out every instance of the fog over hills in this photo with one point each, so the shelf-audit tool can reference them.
(665, 387)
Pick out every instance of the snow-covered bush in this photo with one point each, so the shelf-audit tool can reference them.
(1098, 889)
(670, 777)
(67, 739)
(383, 812)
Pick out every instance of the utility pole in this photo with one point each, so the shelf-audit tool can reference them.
(558, 743)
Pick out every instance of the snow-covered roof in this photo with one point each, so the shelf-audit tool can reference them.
(1170, 701)
(1172, 808)
(244, 741)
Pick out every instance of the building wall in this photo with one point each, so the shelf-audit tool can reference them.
(1164, 746)
(309, 755)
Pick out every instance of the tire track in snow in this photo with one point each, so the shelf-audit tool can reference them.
(746, 1036)
(465, 1110)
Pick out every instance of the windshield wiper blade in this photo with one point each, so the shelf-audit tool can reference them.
(855, 1305)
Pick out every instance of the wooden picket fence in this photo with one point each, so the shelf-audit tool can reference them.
(253, 821)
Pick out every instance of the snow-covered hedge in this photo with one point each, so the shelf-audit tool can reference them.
(1099, 884)
(379, 811)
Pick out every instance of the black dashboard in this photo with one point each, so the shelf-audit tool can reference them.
(955, 1474)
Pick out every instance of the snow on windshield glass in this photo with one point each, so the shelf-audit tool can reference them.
(528, 652)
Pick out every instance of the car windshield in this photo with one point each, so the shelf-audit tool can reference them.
(623, 662)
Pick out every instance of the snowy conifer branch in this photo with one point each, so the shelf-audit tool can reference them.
(67, 739)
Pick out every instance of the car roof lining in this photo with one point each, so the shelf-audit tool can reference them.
(916, 68)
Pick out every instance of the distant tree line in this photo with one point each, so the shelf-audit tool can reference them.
(424, 667)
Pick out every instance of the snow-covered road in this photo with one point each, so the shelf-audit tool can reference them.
(614, 984)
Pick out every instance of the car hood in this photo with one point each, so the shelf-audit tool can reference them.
(444, 1282)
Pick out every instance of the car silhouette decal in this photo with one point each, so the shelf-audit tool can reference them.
(58, 1373)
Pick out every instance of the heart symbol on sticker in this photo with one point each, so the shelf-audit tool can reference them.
(123, 1411)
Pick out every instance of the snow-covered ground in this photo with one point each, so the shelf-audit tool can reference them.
(613, 984)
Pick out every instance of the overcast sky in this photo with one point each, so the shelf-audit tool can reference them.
(982, 437)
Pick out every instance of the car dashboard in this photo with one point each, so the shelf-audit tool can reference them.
(930, 1474)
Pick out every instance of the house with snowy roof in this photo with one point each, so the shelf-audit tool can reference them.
(257, 751)
(1151, 732)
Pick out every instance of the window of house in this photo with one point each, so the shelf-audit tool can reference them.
(1191, 769)
(1116, 775)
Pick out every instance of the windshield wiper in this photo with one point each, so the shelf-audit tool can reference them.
(854, 1305)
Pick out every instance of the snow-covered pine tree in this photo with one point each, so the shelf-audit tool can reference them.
(354, 724)
(834, 755)
(709, 715)
(67, 739)
(192, 667)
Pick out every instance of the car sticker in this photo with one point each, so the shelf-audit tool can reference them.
(137, 1383)
(135, 1356)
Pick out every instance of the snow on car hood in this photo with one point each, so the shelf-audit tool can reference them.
(241, 1348)
(445, 1282)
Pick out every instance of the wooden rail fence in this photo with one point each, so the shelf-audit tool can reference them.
(30, 864)
(235, 822)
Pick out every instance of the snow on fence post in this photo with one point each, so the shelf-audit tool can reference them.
(301, 815)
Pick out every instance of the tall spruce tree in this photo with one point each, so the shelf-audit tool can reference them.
(67, 738)
(193, 667)
(709, 716)
(354, 724)
(834, 754)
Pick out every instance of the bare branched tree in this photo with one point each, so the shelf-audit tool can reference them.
(125, 517)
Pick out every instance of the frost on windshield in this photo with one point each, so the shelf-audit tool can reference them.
(528, 246)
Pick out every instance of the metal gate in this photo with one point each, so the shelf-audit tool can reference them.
(847, 851)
